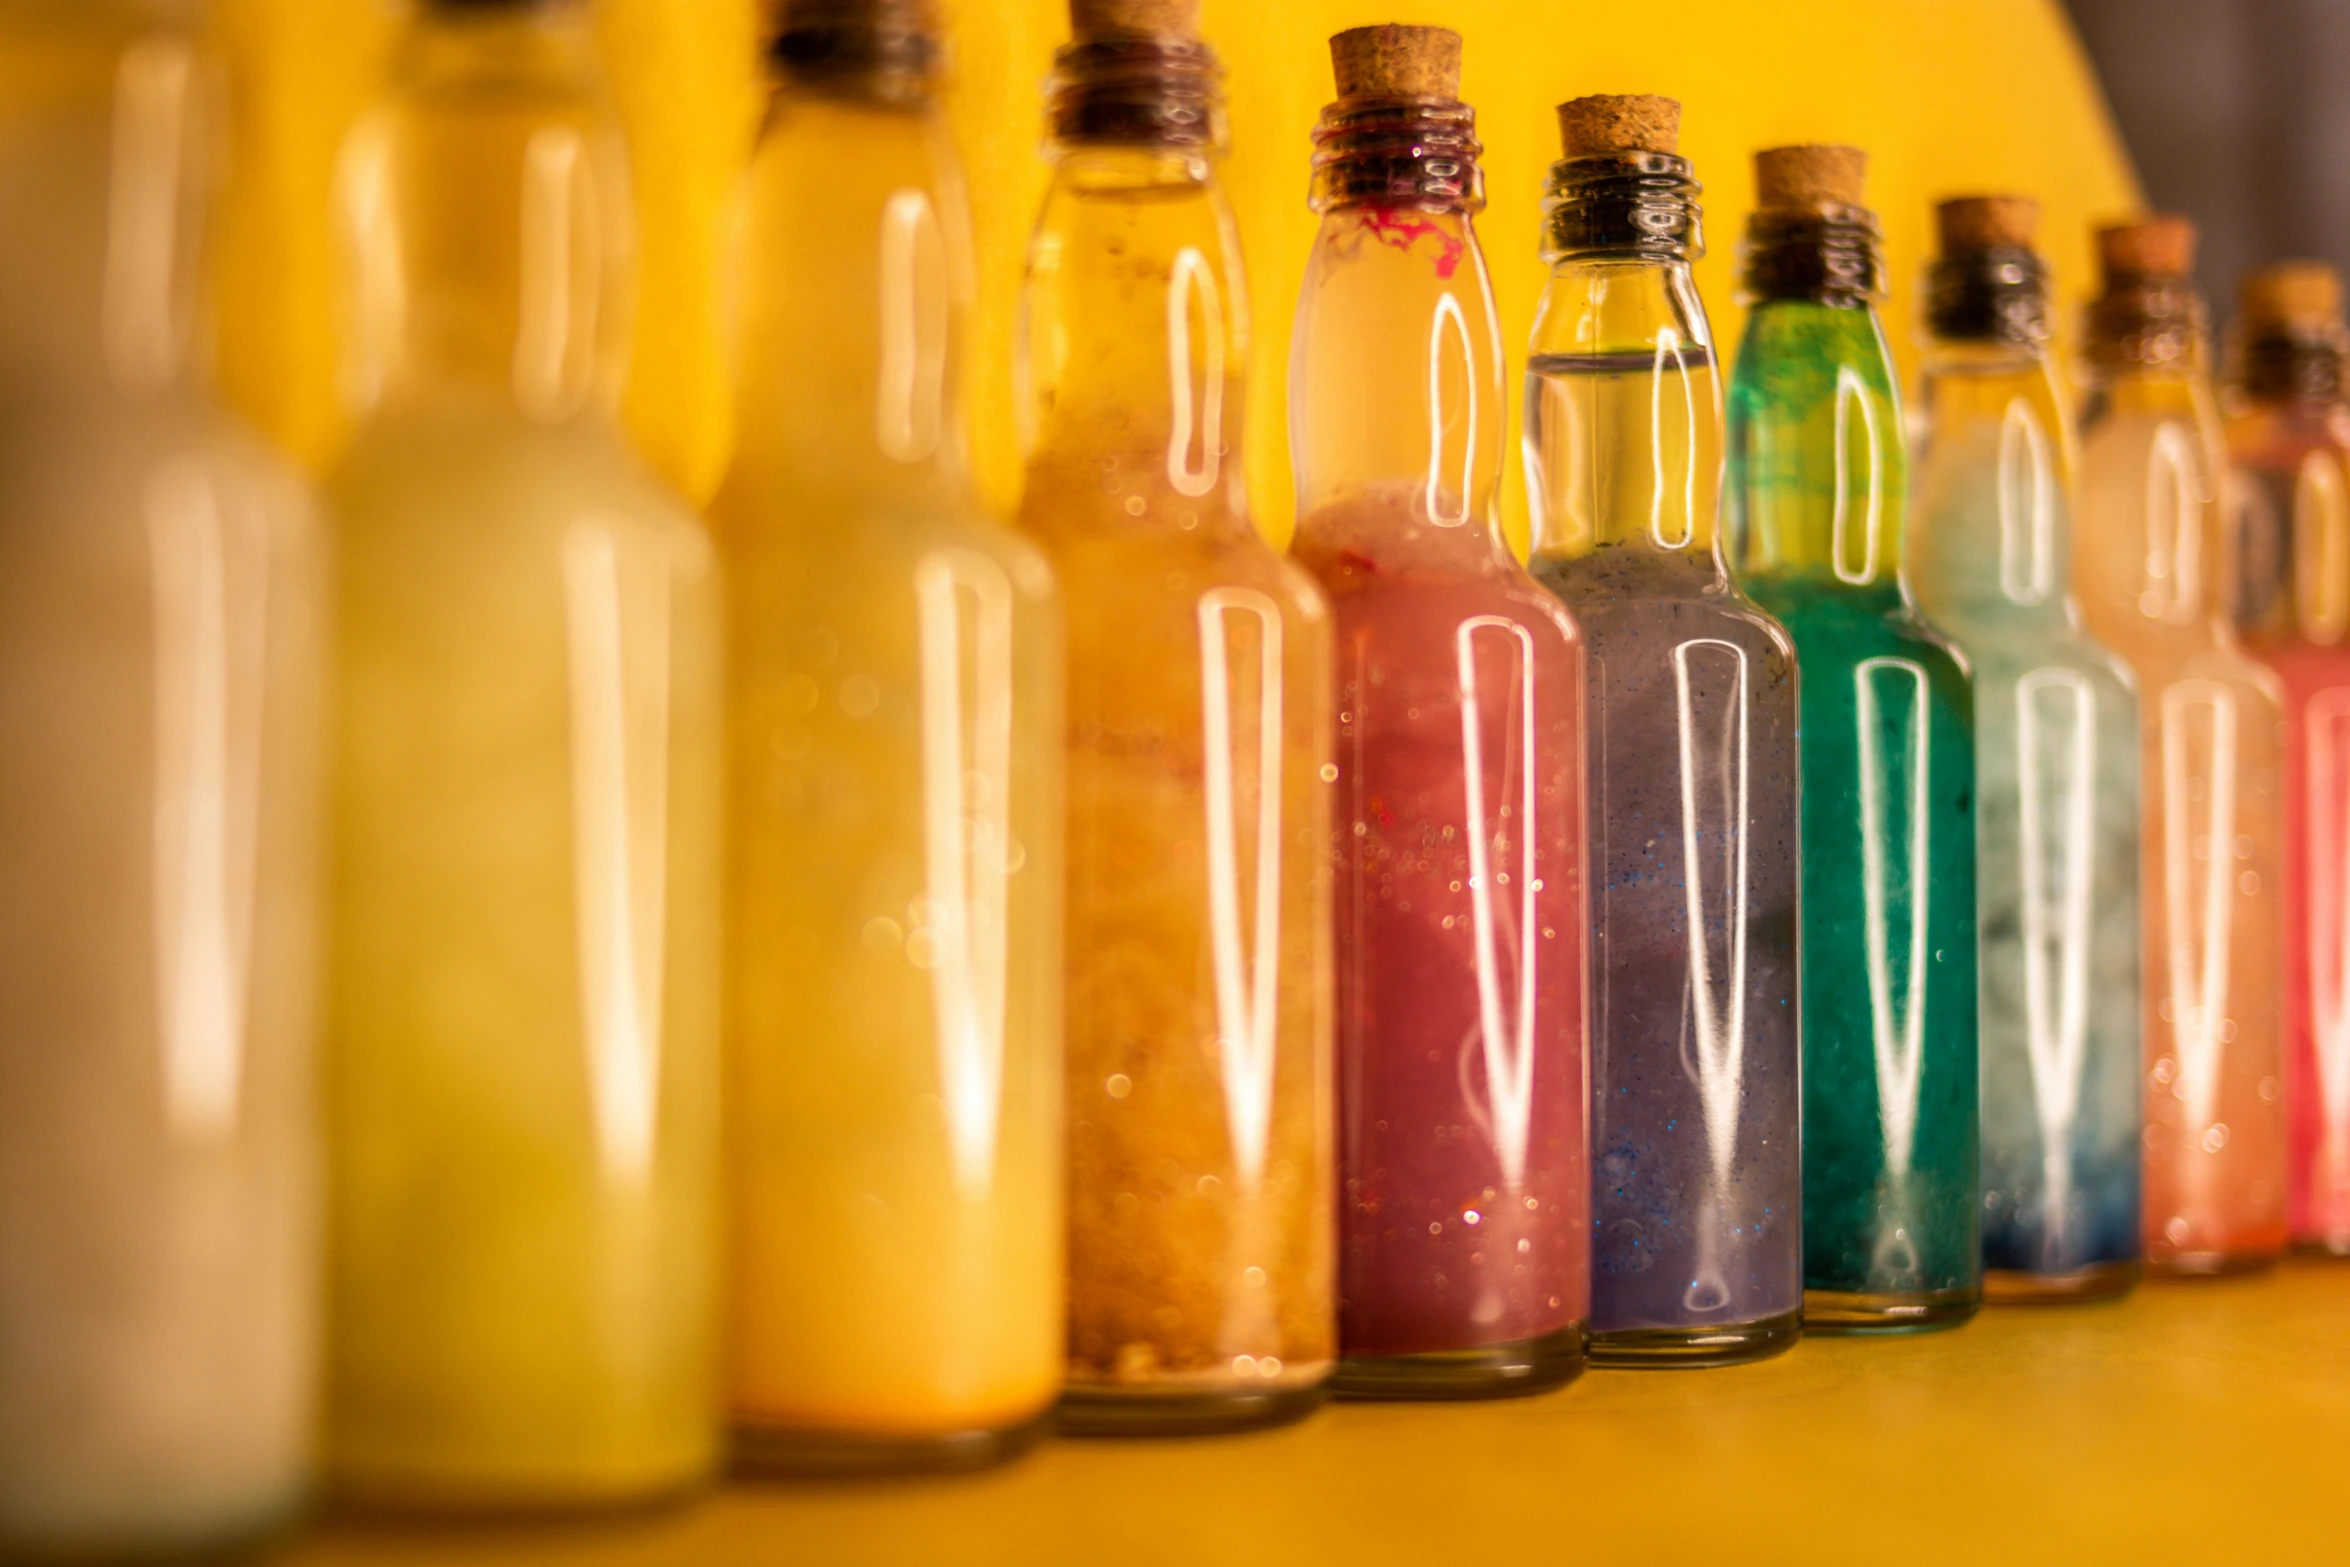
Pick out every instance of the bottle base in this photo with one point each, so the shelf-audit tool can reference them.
(2211, 1264)
(1112, 1411)
(1851, 1313)
(764, 1452)
(440, 1497)
(1668, 1349)
(2331, 1245)
(2098, 1281)
(1512, 1370)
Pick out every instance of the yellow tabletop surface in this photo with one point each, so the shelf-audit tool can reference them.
(2205, 1421)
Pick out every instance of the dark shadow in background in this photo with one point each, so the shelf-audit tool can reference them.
(2238, 114)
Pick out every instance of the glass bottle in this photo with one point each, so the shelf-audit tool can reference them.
(1695, 1111)
(894, 864)
(2056, 771)
(2149, 563)
(1464, 1218)
(2288, 437)
(1819, 482)
(523, 1018)
(1198, 1084)
(161, 646)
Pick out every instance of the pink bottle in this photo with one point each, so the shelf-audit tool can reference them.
(1464, 1209)
(2289, 437)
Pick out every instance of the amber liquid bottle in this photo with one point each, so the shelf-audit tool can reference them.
(1198, 1084)
(893, 1047)
(2150, 572)
(2288, 435)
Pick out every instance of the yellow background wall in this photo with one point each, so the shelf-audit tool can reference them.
(1948, 96)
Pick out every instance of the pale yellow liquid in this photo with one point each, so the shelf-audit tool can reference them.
(523, 1065)
(895, 869)
(160, 653)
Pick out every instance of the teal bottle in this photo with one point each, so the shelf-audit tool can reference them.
(1818, 482)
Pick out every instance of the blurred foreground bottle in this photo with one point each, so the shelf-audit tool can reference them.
(1696, 1170)
(160, 645)
(2288, 434)
(1464, 1225)
(894, 976)
(2151, 570)
(524, 1014)
(1198, 1076)
(2056, 772)
(1819, 484)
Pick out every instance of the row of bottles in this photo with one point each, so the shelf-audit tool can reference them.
(903, 976)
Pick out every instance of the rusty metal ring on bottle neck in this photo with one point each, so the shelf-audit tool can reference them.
(1995, 295)
(1137, 92)
(2279, 364)
(1830, 256)
(2150, 321)
(1640, 203)
(862, 52)
(1397, 152)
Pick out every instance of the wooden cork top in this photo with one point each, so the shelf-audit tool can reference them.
(1972, 223)
(1395, 61)
(1805, 179)
(2161, 244)
(2292, 294)
(1090, 19)
(1637, 122)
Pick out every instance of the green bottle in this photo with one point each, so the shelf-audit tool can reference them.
(1817, 487)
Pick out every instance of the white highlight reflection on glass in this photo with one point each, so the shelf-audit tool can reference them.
(2027, 507)
(966, 822)
(561, 281)
(1668, 346)
(1714, 746)
(616, 603)
(1198, 416)
(1853, 393)
(2321, 548)
(1507, 1035)
(2056, 717)
(2327, 782)
(1247, 988)
(1449, 314)
(910, 404)
(2198, 918)
(1897, 1032)
(210, 575)
(2174, 531)
(143, 315)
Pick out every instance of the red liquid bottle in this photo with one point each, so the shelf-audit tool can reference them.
(1464, 1214)
(2289, 438)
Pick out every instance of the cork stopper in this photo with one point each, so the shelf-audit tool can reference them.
(1090, 19)
(2162, 244)
(1805, 179)
(2292, 294)
(1605, 125)
(1395, 61)
(1973, 223)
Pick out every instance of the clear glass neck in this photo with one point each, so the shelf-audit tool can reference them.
(1396, 381)
(485, 211)
(1992, 533)
(1623, 411)
(1133, 343)
(855, 277)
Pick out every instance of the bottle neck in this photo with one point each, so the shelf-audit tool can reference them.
(2298, 365)
(486, 212)
(1818, 450)
(1134, 341)
(1397, 392)
(1996, 476)
(854, 282)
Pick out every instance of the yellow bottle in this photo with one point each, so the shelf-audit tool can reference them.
(523, 1020)
(1199, 1034)
(895, 867)
(160, 651)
